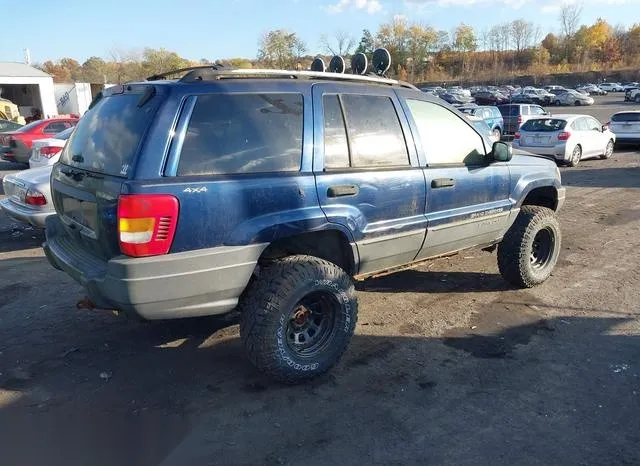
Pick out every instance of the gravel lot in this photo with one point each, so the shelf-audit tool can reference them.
(448, 365)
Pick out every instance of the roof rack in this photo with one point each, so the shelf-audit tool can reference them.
(216, 72)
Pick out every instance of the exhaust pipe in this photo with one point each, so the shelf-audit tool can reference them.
(89, 305)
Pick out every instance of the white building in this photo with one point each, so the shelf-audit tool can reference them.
(28, 88)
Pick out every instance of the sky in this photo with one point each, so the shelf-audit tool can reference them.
(217, 29)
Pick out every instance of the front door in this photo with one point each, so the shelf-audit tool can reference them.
(467, 196)
(368, 178)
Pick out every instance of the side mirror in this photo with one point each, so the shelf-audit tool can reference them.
(604, 128)
(501, 152)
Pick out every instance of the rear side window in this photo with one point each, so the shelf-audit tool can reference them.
(56, 127)
(243, 133)
(544, 125)
(626, 117)
(375, 133)
(446, 138)
(580, 125)
(107, 137)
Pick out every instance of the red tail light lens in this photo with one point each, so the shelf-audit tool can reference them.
(516, 135)
(147, 223)
(34, 197)
(563, 136)
(49, 151)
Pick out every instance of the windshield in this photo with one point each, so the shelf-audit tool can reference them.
(544, 125)
(108, 136)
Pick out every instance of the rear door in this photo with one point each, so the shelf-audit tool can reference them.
(467, 197)
(95, 163)
(368, 178)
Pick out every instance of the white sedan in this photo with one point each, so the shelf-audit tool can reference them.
(572, 97)
(566, 138)
(45, 152)
(611, 87)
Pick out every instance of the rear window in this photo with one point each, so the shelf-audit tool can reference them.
(243, 133)
(621, 117)
(509, 110)
(544, 125)
(108, 136)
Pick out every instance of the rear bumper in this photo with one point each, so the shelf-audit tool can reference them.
(558, 152)
(186, 284)
(26, 215)
(623, 138)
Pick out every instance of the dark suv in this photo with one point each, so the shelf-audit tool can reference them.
(515, 115)
(268, 191)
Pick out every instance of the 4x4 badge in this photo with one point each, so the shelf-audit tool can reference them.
(201, 189)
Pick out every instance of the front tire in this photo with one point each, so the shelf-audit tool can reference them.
(529, 251)
(577, 103)
(558, 103)
(298, 317)
(497, 134)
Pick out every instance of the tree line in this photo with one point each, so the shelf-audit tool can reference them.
(419, 52)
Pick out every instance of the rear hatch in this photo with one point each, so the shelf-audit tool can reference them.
(626, 124)
(97, 160)
(541, 132)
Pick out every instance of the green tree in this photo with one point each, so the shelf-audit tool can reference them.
(161, 60)
(280, 49)
(367, 43)
(94, 70)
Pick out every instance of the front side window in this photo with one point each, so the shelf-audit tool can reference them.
(446, 138)
(374, 130)
(243, 133)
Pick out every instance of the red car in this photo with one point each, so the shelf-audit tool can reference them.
(16, 145)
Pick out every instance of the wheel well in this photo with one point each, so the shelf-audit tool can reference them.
(332, 246)
(545, 196)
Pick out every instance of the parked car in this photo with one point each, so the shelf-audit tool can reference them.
(491, 115)
(28, 196)
(47, 151)
(626, 126)
(8, 125)
(567, 138)
(516, 114)
(632, 95)
(612, 87)
(481, 126)
(18, 143)
(259, 193)
(630, 85)
(572, 97)
(490, 98)
(591, 89)
(533, 96)
(458, 90)
(456, 98)
(555, 90)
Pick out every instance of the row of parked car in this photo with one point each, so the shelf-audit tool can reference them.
(549, 95)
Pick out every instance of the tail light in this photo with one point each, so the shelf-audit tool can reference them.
(147, 223)
(49, 151)
(34, 197)
(606, 125)
(563, 136)
(516, 135)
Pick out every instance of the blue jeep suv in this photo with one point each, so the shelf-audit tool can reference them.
(270, 191)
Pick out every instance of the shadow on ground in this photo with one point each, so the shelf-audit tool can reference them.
(509, 389)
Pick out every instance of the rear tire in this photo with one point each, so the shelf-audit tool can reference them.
(577, 103)
(576, 156)
(608, 151)
(637, 99)
(558, 103)
(298, 317)
(529, 251)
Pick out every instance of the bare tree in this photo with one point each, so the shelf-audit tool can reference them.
(521, 34)
(569, 17)
(342, 43)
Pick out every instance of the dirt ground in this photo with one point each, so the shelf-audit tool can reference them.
(449, 365)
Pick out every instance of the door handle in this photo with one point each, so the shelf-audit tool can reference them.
(443, 183)
(344, 190)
